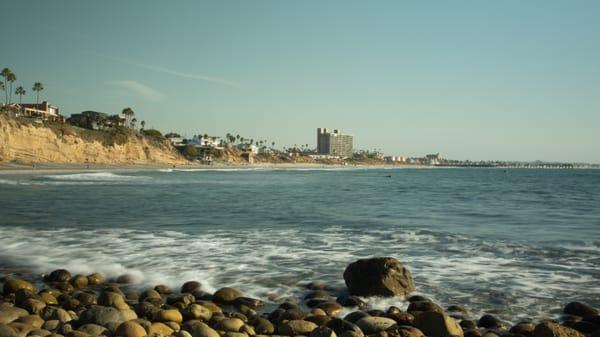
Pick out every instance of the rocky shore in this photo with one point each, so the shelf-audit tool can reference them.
(89, 305)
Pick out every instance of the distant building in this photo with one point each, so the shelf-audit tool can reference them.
(333, 143)
(43, 111)
(395, 159)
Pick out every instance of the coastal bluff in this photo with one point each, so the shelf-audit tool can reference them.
(27, 142)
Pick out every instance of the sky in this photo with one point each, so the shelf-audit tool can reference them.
(478, 80)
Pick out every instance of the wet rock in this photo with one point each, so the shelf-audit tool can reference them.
(383, 276)
(196, 311)
(550, 329)
(7, 330)
(112, 299)
(419, 306)
(58, 275)
(293, 314)
(160, 329)
(75, 333)
(404, 331)
(472, 333)
(199, 329)
(211, 306)
(48, 298)
(249, 302)
(263, 326)
(585, 327)
(33, 306)
(317, 294)
(131, 329)
(370, 325)
(126, 279)
(150, 293)
(247, 329)
(162, 289)
(127, 314)
(417, 298)
(12, 285)
(169, 315)
(457, 308)
(182, 333)
(353, 317)
(318, 320)
(186, 299)
(523, 328)
(51, 324)
(86, 298)
(235, 334)
(401, 318)
(226, 295)
(9, 313)
(95, 279)
(64, 287)
(351, 301)
(33, 320)
(341, 325)
(435, 324)
(330, 308)
(190, 286)
(489, 322)
(468, 324)
(100, 315)
(296, 327)
(39, 332)
(230, 324)
(79, 281)
(580, 309)
(323, 332)
(94, 330)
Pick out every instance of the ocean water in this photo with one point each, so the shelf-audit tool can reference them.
(518, 243)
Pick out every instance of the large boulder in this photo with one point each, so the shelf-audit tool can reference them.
(380, 276)
(435, 324)
(550, 329)
(580, 309)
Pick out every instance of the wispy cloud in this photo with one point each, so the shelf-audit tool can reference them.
(163, 70)
(139, 89)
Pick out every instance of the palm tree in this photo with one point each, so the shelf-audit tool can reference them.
(237, 137)
(273, 144)
(5, 73)
(143, 123)
(11, 78)
(37, 87)
(20, 91)
(128, 113)
(132, 123)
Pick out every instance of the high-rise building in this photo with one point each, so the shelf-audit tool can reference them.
(333, 143)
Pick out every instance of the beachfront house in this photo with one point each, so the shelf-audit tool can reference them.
(43, 111)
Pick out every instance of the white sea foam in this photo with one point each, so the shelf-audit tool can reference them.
(96, 176)
(273, 263)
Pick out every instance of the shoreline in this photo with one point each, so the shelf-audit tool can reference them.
(15, 168)
(78, 305)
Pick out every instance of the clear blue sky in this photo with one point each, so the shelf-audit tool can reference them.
(469, 79)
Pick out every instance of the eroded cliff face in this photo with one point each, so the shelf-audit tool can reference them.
(30, 143)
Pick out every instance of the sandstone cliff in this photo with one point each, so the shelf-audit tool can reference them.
(24, 141)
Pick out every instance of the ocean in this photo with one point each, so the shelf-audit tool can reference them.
(520, 243)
